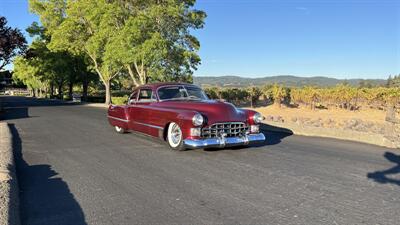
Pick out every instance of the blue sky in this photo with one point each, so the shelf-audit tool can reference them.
(255, 38)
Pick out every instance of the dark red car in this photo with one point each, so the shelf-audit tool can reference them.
(183, 116)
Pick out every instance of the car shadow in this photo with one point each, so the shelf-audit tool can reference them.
(273, 136)
(44, 197)
(382, 176)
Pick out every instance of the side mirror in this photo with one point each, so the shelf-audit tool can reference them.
(131, 101)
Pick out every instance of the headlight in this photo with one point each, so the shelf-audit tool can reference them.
(197, 119)
(258, 118)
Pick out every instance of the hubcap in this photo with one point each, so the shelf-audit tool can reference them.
(176, 134)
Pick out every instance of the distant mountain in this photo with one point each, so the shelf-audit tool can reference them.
(287, 80)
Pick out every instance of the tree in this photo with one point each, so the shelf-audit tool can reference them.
(27, 73)
(279, 94)
(81, 27)
(267, 93)
(345, 96)
(51, 68)
(154, 42)
(148, 39)
(254, 93)
(12, 43)
(392, 97)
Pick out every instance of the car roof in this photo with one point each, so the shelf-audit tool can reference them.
(159, 84)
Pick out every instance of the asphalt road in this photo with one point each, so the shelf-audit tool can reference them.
(74, 169)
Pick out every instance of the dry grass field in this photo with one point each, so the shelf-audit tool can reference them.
(366, 125)
(371, 115)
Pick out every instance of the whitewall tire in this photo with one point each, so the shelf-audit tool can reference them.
(119, 130)
(175, 137)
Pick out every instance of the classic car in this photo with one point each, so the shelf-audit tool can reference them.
(183, 116)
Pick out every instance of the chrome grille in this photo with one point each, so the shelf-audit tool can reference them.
(231, 129)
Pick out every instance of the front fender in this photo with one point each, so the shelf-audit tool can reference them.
(249, 115)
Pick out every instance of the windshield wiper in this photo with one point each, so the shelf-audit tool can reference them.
(172, 99)
(194, 97)
(183, 98)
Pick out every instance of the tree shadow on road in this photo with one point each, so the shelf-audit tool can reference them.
(44, 198)
(16, 113)
(382, 176)
(15, 107)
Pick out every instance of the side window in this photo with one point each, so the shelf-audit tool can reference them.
(145, 95)
(133, 97)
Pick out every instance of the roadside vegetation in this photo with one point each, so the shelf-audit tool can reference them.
(381, 102)
(341, 96)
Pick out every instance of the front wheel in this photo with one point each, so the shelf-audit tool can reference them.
(175, 137)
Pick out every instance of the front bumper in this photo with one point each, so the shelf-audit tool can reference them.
(223, 141)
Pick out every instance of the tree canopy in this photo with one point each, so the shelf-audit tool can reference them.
(41, 69)
(12, 43)
(149, 40)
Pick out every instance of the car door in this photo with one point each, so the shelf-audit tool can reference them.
(141, 112)
(133, 111)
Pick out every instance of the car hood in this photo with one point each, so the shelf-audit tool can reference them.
(214, 111)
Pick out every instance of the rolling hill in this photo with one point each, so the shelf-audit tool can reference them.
(287, 80)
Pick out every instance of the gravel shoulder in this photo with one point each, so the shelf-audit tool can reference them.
(9, 202)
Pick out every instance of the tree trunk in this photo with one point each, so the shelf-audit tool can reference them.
(107, 85)
(85, 85)
(60, 91)
(51, 90)
(132, 75)
(70, 87)
(254, 102)
(277, 102)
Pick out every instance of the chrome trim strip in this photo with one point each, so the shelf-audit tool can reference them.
(116, 118)
(223, 141)
(144, 124)
(149, 125)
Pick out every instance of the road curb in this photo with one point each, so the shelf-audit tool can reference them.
(9, 201)
(1, 105)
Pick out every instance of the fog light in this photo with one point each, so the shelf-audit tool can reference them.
(254, 128)
(195, 132)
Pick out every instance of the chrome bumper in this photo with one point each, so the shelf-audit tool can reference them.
(223, 141)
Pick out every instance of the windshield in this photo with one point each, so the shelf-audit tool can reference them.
(181, 93)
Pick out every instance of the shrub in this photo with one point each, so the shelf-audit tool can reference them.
(120, 100)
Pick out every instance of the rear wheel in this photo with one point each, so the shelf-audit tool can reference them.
(119, 130)
(175, 137)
